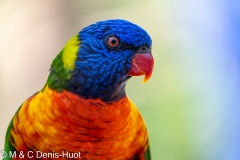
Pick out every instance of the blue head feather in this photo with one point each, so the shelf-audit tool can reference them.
(100, 71)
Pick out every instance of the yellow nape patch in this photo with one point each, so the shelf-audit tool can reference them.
(70, 53)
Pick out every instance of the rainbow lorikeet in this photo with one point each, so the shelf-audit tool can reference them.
(83, 112)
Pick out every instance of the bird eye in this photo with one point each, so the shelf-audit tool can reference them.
(113, 41)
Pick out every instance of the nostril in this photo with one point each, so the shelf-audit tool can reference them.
(144, 49)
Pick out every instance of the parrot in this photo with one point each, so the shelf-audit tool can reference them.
(83, 111)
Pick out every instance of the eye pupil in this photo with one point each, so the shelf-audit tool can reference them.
(113, 41)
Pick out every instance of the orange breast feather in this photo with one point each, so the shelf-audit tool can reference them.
(54, 121)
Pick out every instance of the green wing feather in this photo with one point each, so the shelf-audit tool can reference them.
(7, 145)
(8, 138)
(140, 155)
(147, 154)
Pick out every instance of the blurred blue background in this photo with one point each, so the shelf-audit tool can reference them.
(191, 104)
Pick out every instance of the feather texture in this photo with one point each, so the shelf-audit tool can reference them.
(83, 106)
(52, 121)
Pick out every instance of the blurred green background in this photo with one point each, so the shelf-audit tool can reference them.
(191, 103)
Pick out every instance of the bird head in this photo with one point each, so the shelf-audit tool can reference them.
(98, 61)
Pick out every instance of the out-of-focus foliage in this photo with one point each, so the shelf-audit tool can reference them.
(191, 104)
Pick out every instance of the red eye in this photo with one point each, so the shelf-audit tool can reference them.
(113, 41)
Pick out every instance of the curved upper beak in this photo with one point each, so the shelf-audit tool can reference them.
(142, 63)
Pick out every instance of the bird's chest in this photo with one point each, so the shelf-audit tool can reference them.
(92, 127)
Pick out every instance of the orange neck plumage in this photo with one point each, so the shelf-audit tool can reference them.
(56, 121)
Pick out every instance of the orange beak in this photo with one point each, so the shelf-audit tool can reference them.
(142, 64)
